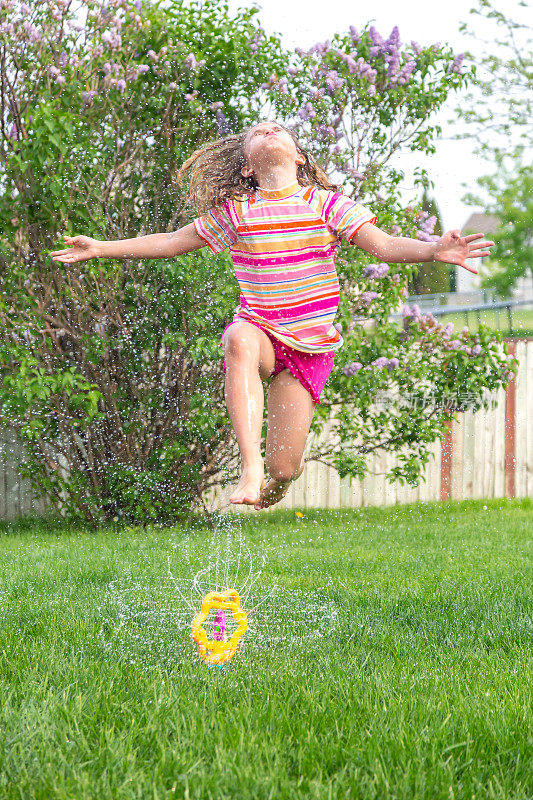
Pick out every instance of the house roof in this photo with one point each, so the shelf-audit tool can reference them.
(481, 223)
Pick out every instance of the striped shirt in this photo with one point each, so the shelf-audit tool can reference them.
(283, 245)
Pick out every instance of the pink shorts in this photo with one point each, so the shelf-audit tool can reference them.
(311, 369)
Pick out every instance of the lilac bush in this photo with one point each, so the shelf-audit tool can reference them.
(110, 371)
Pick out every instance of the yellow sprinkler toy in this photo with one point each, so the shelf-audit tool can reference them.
(218, 650)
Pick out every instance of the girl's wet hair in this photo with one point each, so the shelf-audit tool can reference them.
(215, 171)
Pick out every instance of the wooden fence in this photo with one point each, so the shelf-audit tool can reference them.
(486, 454)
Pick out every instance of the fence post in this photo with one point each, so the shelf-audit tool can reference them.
(446, 462)
(510, 432)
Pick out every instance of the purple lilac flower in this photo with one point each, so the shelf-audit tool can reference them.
(465, 332)
(476, 350)
(424, 237)
(368, 297)
(404, 75)
(33, 33)
(307, 112)
(338, 327)
(375, 36)
(254, 44)
(456, 65)
(88, 96)
(416, 48)
(448, 330)
(354, 33)
(351, 369)
(453, 344)
(380, 362)
(392, 363)
(429, 223)
(393, 41)
(333, 81)
(393, 67)
(112, 39)
(413, 312)
(376, 270)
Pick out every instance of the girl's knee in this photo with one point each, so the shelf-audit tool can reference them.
(240, 344)
(283, 470)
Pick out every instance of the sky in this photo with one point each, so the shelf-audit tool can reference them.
(302, 23)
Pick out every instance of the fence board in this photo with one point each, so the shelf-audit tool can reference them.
(456, 488)
(468, 454)
(529, 418)
(499, 447)
(521, 423)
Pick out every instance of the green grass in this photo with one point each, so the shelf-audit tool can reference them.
(522, 321)
(393, 661)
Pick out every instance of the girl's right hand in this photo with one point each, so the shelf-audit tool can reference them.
(83, 248)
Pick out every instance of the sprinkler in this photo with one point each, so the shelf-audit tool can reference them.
(218, 650)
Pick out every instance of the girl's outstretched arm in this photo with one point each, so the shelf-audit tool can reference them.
(452, 248)
(155, 245)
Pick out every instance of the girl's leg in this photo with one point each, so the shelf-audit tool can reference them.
(249, 359)
(290, 411)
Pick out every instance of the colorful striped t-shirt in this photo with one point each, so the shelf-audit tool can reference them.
(283, 245)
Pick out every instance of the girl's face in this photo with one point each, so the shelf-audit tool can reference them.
(268, 144)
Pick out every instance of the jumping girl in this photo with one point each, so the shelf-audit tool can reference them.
(261, 194)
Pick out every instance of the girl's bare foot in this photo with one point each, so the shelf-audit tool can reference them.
(274, 491)
(250, 484)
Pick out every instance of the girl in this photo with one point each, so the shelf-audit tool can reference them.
(263, 196)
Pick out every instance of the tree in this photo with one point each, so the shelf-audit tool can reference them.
(511, 201)
(498, 106)
(501, 128)
(111, 372)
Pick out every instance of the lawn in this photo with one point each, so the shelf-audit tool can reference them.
(522, 321)
(388, 656)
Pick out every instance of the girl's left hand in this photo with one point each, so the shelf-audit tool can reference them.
(452, 248)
